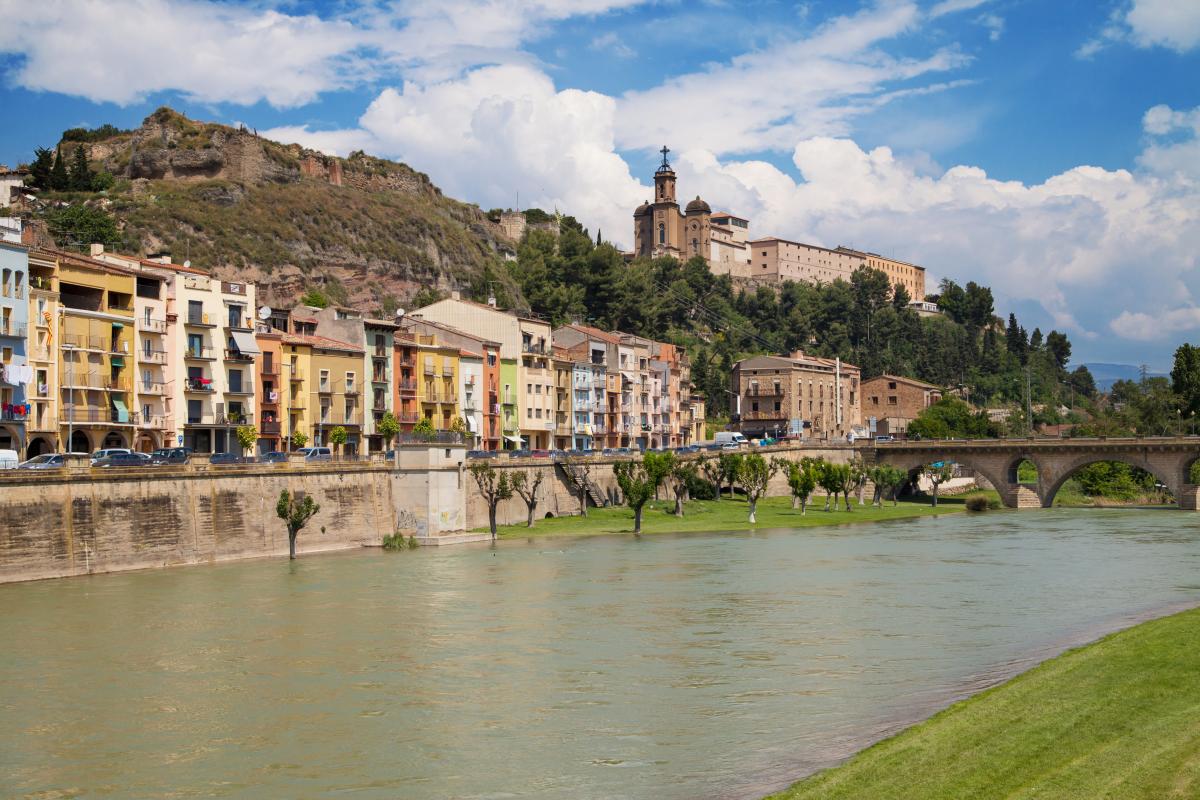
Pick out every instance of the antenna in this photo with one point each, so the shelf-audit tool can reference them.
(187, 263)
(264, 313)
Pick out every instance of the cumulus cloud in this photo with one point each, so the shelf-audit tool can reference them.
(1173, 24)
(120, 51)
(611, 43)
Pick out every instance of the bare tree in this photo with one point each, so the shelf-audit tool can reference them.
(754, 473)
(528, 485)
(579, 474)
(494, 485)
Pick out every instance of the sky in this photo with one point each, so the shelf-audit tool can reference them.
(1050, 150)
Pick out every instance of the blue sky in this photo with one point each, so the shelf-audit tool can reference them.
(1050, 150)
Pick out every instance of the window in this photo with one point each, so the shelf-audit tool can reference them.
(324, 385)
(662, 233)
(195, 311)
(195, 344)
(891, 400)
(235, 380)
(193, 412)
(350, 387)
(491, 359)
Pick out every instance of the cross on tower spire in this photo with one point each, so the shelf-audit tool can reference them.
(664, 152)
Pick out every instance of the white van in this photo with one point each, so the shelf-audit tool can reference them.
(730, 437)
(8, 459)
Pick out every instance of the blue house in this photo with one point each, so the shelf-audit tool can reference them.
(15, 372)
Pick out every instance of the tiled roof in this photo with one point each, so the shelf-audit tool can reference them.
(320, 341)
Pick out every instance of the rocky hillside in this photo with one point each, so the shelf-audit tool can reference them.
(371, 232)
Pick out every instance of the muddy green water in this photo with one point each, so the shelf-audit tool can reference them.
(700, 666)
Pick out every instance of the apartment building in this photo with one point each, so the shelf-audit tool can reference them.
(295, 371)
(797, 395)
(16, 374)
(891, 402)
(404, 367)
(380, 341)
(43, 350)
(272, 391)
(437, 376)
(564, 413)
(335, 391)
(900, 273)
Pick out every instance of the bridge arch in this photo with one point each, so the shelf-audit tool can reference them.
(985, 467)
(1172, 479)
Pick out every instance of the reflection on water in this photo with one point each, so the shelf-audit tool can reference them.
(668, 667)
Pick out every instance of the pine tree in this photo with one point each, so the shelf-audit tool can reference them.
(81, 174)
(60, 181)
(43, 164)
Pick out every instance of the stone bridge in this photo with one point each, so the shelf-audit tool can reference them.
(1167, 458)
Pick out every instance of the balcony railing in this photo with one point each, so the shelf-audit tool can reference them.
(85, 342)
(408, 360)
(508, 399)
(200, 320)
(297, 376)
(199, 354)
(243, 388)
(764, 414)
(408, 417)
(533, 348)
(16, 292)
(13, 330)
(151, 325)
(352, 390)
(268, 369)
(271, 428)
(149, 387)
(407, 386)
(764, 391)
(199, 385)
(93, 414)
(237, 355)
(152, 356)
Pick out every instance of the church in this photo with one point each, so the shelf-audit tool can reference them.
(661, 229)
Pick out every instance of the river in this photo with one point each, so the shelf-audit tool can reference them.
(698, 666)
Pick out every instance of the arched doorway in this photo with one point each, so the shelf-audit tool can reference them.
(146, 442)
(38, 446)
(80, 442)
(114, 439)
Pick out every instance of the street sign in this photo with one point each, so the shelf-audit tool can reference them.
(181, 440)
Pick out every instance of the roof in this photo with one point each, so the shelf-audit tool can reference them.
(441, 326)
(595, 333)
(697, 205)
(865, 253)
(497, 309)
(380, 323)
(87, 261)
(321, 342)
(902, 379)
(798, 244)
(727, 214)
(788, 362)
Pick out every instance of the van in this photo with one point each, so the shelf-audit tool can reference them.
(730, 437)
(8, 459)
(316, 453)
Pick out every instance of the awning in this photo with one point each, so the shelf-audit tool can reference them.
(471, 424)
(514, 439)
(122, 411)
(117, 361)
(118, 325)
(629, 376)
(245, 343)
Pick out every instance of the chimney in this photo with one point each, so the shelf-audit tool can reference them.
(97, 250)
(456, 295)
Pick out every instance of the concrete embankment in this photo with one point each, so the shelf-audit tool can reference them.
(79, 520)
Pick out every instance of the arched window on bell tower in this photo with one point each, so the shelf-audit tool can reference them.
(662, 233)
(695, 247)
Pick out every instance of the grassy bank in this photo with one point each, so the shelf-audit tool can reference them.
(725, 515)
(1119, 718)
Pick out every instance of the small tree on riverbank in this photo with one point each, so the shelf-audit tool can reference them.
(337, 438)
(247, 436)
(388, 427)
(579, 475)
(754, 473)
(683, 473)
(658, 467)
(637, 486)
(528, 485)
(295, 510)
(730, 463)
(937, 475)
(711, 469)
(494, 486)
(856, 479)
(802, 479)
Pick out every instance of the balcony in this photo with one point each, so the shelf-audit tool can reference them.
(408, 417)
(12, 330)
(296, 377)
(769, 415)
(82, 380)
(296, 404)
(200, 385)
(447, 371)
(200, 321)
(408, 360)
(508, 399)
(15, 292)
(380, 377)
(84, 415)
(40, 353)
(151, 325)
(84, 342)
(144, 387)
(755, 390)
(270, 398)
(379, 405)
(199, 354)
(533, 348)
(237, 355)
(407, 386)
(325, 388)
(242, 389)
(152, 356)
(352, 390)
(379, 352)
(266, 428)
(268, 369)
(156, 422)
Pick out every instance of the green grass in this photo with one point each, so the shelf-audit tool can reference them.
(1117, 719)
(725, 515)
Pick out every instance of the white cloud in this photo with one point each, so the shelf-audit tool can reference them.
(1145, 327)
(1174, 24)
(768, 99)
(994, 25)
(611, 43)
(951, 6)
(122, 50)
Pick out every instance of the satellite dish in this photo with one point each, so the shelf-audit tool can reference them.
(264, 313)
(399, 313)
(187, 264)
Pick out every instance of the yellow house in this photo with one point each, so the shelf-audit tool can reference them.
(96, 354)
(437, 381)
(295, 369)
(336, 392)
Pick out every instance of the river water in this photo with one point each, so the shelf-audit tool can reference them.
(698, 666)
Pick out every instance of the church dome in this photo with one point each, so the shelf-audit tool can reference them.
(642, 210)
(697, 206)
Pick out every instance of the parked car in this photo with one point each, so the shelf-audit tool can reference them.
(316, 453)
(274, 457)
(608, 451)
(109, 451)
(524, 453)
(9, 459)
(125, 459)
(473, 454)
(884, 438)
(171, 455)
(539, 453)
(730, 446)
(44, 461)
(145, 457)
(222, 459)
(714, 446)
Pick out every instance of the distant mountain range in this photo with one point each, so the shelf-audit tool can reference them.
(1108, 374)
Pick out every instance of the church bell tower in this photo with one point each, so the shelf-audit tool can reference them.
(664, 180)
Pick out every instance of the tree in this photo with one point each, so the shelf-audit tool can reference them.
(730, 464)
(579, 474)
(40, 169)
(423, 429)
(802, 480)
(295, 510)
(658, 467)
(527, 485)
(494, 486)
(299, 438)
(1058, 346)
(711, 469)
(938, 474)
(637, 486)
(314, 297)
(60, 181)
(828, 479)
(1185, 377)
(856, 480)
(426, 296)
(81, 174)
(80, 224)
(388, 427)
(682, 474)
(754, 473)
(338, 437)
(247, 436)
(950, 418)
(1083, 383)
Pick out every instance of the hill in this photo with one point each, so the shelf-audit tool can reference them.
(371, 232)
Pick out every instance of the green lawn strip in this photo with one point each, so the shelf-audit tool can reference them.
(724, 515)
(1119, 718)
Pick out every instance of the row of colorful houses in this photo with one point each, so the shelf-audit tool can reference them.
(111, 350)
